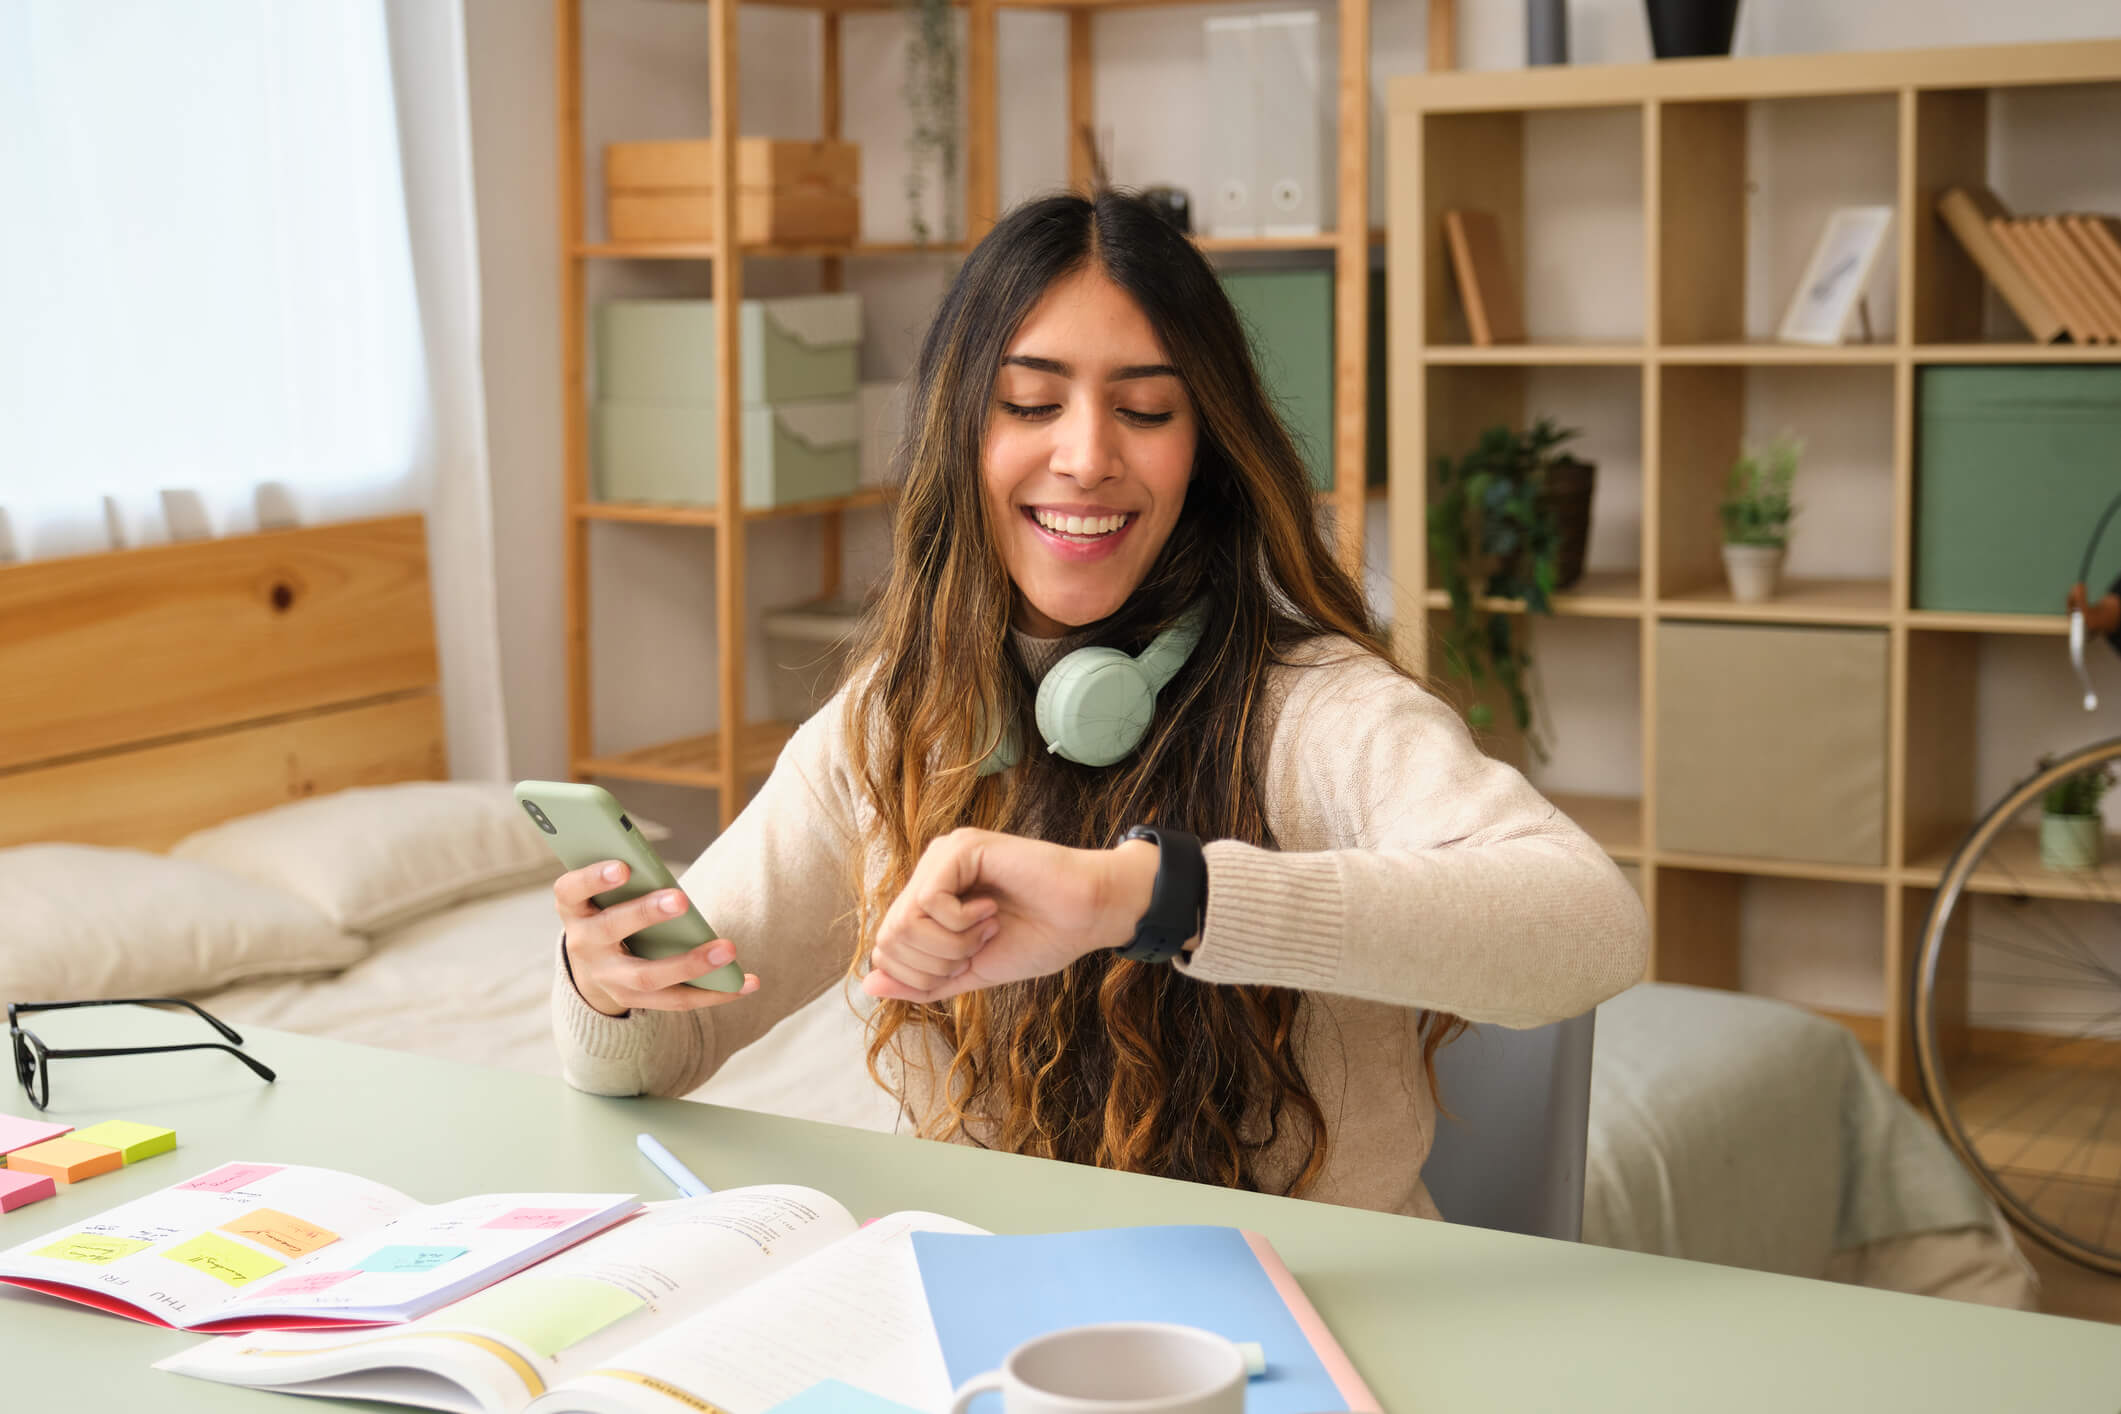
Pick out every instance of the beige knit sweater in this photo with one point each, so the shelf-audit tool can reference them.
(1413, 873)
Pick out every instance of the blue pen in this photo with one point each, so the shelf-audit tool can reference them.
(688, 1182)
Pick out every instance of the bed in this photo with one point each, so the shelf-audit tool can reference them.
(240, 799)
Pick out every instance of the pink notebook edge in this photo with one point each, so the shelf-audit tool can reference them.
(1339, 1368)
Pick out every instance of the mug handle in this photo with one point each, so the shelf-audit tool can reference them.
(989, 1383)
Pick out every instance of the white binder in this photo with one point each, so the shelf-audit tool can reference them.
(1232, 206)
(1291, 152)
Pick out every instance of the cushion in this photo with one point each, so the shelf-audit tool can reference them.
(86, 922)
(378, 856)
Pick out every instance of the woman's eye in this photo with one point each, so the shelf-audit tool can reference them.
(1145, 419)
(1030, 413)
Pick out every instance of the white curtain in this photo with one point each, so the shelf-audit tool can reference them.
(236, 247)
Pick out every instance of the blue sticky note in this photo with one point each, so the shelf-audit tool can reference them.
(989, 1295)
(832, 1397)
(410, 1259)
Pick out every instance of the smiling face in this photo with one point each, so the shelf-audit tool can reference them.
(1089, 449)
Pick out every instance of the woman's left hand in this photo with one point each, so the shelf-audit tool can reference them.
(984, 908)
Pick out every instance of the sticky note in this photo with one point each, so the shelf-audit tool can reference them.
(228, 1178)
(410, 1259)
(547, 1314)
(539, 1219)
(93, 1248)
(17, 1189)
(289, 1236)
(68, 1160)
(21, 1133)
(307, 1284)
(133, 1142)
(224, 1261)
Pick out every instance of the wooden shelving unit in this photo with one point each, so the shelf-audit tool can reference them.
(1460, 139)
(730, 762)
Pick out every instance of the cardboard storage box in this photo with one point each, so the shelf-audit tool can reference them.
(2012, 467)
(807, 646)
(786, 191)
(799, 349)
(1771, 742)
(665, 453)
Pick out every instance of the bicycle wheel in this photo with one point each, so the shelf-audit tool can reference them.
(2017, 1030)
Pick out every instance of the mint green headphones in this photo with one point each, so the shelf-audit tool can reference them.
(1095, 705)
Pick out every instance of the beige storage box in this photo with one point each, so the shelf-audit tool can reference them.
(801, 348)
(665, 454)
(787, 192)
(1771, 742)
(807, 647)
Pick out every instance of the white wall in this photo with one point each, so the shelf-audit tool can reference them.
(653, 587)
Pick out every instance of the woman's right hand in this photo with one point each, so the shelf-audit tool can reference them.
(611, 979)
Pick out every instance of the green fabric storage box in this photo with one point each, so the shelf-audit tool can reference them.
(1771, 742)
(1289, 316)
(2013, 465)
(798, 349)
(665, 454)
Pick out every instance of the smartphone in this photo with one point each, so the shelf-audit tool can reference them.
(585, 826)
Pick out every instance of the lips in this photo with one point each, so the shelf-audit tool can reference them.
(1078, 546)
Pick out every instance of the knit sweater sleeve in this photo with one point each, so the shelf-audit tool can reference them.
(777, 883)
(1415, 870)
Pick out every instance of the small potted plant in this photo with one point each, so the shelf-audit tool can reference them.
(2072, 831)
(1756, 518)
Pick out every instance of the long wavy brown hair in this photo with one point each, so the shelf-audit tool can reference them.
(1120, 1064)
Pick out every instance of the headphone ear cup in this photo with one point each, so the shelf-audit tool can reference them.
(1095, 706)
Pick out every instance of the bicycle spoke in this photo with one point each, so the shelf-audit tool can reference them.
(2088, 1142)
(2018, 949)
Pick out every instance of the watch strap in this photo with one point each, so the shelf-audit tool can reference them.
(1177, 900)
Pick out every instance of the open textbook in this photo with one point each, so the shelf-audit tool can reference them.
(251, 1246)
(736, 1301)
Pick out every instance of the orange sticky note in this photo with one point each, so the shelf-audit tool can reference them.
(283, 1234)
(68, 1160)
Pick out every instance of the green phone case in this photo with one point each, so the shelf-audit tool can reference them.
(585, 826)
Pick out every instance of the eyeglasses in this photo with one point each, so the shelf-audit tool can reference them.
(33, 1058)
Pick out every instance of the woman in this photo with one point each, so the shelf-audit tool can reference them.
(1090, 459)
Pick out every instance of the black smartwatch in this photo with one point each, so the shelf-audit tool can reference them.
(1177, 901)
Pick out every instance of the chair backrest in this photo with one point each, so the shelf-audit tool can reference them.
(1513, 1158)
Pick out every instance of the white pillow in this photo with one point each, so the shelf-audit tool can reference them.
(377, 856)
(84, 922)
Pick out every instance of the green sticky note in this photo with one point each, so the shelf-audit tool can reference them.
(93, 1248)
(134, 1141)
(546, 1314)
(224, 1261)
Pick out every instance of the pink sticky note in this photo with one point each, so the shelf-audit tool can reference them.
(21, 1133)
(228, 1178)
(308, 1284)
(540, 1219)
(19, 1188)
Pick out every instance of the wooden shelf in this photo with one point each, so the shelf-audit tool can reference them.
(693, 760)
(1952, 621)
(1324, 241)
(2012, 868)
(1532, 355)
(2017, 353)
(1615, 822)
(1754, 866)
(705, 250)
(1865, 602)
(1600, 594)
(645, 513)
(1765, 354)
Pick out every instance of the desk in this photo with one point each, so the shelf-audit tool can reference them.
(1439, 1319)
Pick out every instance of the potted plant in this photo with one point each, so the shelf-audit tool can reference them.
(1510, 522)
(1756, 518)
(2072, 831)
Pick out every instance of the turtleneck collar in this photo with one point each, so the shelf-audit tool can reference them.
(1040, 654)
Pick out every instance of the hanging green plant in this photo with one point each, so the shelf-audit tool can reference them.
(1494, 534)
(931, 95)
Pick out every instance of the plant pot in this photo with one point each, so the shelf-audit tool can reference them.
(1755, 571)
(1568, 496)
(2071, 843)
(1691, 29)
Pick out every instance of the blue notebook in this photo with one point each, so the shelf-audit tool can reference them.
(990, 1294)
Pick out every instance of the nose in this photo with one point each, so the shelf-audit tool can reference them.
(1085, 447)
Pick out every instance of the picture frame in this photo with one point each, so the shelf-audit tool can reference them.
(1836, 275)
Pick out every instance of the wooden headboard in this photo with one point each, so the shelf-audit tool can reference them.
(148, 693)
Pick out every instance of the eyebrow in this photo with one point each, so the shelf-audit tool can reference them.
(1119, 375)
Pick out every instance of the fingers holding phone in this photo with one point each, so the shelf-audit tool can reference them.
(607, 973)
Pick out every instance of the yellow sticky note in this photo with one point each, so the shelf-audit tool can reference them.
(134, 1141)
(93, 1248)
(546, 1314)
(224, 1261)
(284, 1234)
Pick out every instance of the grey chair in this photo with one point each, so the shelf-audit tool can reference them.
(1513, 1157)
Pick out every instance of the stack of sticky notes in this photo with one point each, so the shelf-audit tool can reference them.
(40, 1155)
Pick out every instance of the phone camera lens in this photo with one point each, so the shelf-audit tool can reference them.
(539, 816)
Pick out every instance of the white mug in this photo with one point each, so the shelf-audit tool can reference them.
(1129, 1367)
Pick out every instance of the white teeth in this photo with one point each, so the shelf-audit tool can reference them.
(1075, 525)
(1078, 525)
